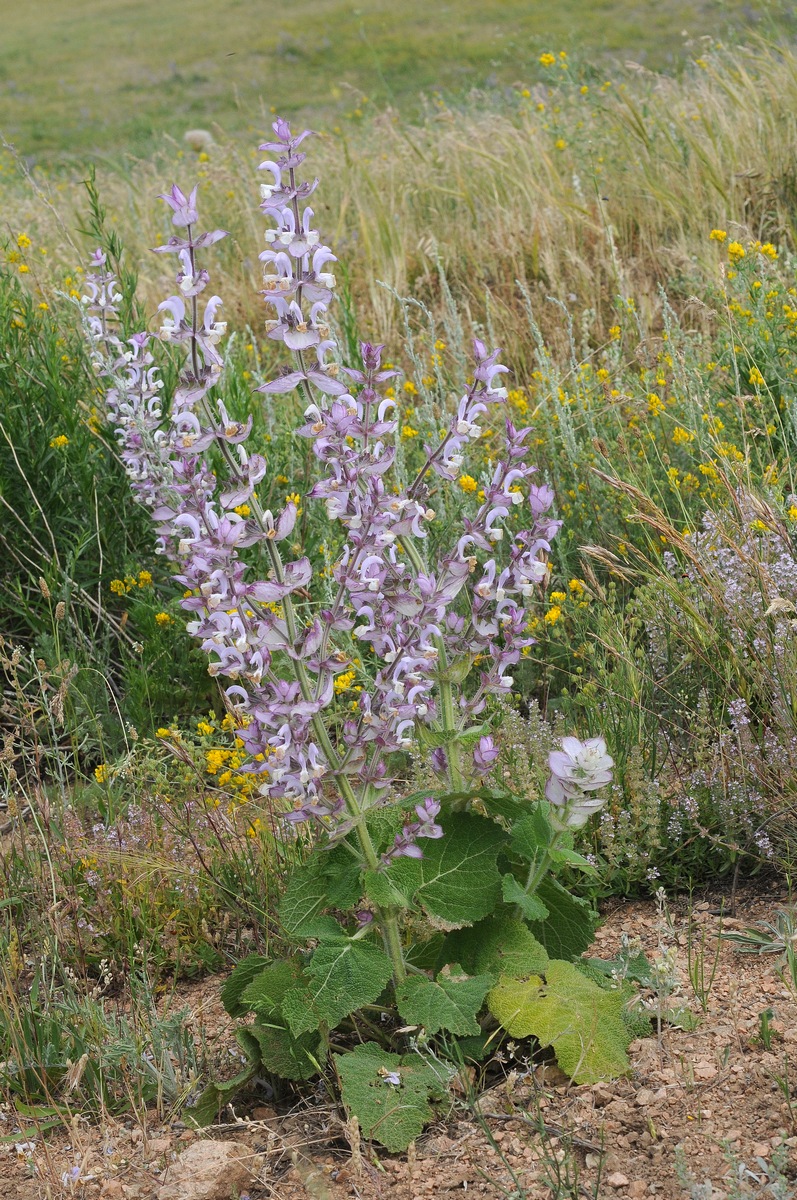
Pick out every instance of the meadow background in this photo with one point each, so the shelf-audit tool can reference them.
(609, 192)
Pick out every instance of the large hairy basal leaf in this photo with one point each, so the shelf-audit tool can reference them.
(330, 879)
(580, 1021)
(236, 983)
(533, 833)
(529, 904)
(457, 881)
(501, 945)
(449, 1002)
(569, 928)
(264, 995)
(340, 977)
(284, 1055)
(389, 1094)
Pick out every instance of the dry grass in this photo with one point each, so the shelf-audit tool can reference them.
(582, 198)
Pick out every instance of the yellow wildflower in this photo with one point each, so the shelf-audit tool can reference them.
(468, 483)
(343, 682)
(553, 615)
(58, 443)
(243, 510)
(117, 587)
(681, 436)
(576, 586)
(144, 579)
(410, 388)
(557, 597)
(735, 251)
(547, 59)
(101, 773)
(614, 333)
(163, 618)
(23, 241)
(717, 235)
(756, 378)
(408, 432)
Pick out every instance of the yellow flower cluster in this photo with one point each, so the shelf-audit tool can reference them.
(344, 681)
(58, 443)
(120, 587)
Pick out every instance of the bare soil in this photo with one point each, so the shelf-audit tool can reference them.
(713, 1090)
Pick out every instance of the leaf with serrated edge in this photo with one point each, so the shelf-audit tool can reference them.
(569, 929)
(501, 945)
(530, 905)
(284, 1055)
(580, 1021)
(450, 1002)
(236, 983)
(343, 975)
(533, 834)
(266, 992)
(457, 881)
(389, 1113)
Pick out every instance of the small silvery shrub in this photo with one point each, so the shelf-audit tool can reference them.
(417, 926)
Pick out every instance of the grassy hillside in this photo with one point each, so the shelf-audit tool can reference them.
(96, 75)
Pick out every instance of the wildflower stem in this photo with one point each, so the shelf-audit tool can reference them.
(447, 710)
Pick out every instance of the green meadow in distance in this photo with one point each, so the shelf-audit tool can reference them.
(99, 76)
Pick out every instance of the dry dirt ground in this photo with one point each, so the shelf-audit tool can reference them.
(713, 1090)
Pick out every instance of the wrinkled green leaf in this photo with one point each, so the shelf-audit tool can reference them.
(284, 1055)
(449, 1002)
(340, 977)
(533, 834)
(457, 881)
(501, 945)
(580, 1021)
(569, 929)
(391, 1113)
(237, 982)
(531, 906)
(265, 993)
(330, 879)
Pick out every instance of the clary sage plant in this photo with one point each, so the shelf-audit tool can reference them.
(422, 925)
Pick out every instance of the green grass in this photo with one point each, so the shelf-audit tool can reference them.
(82, 76)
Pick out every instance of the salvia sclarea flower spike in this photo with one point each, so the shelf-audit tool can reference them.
(426, 619)
(578, 771)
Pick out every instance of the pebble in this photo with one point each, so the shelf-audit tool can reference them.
(617, 1180)
(637, 1189)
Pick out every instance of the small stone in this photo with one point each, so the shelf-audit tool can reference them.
(617, 1180)
(761, 1150)
(210, 1171)
(637, 1189)
(644, 1097)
